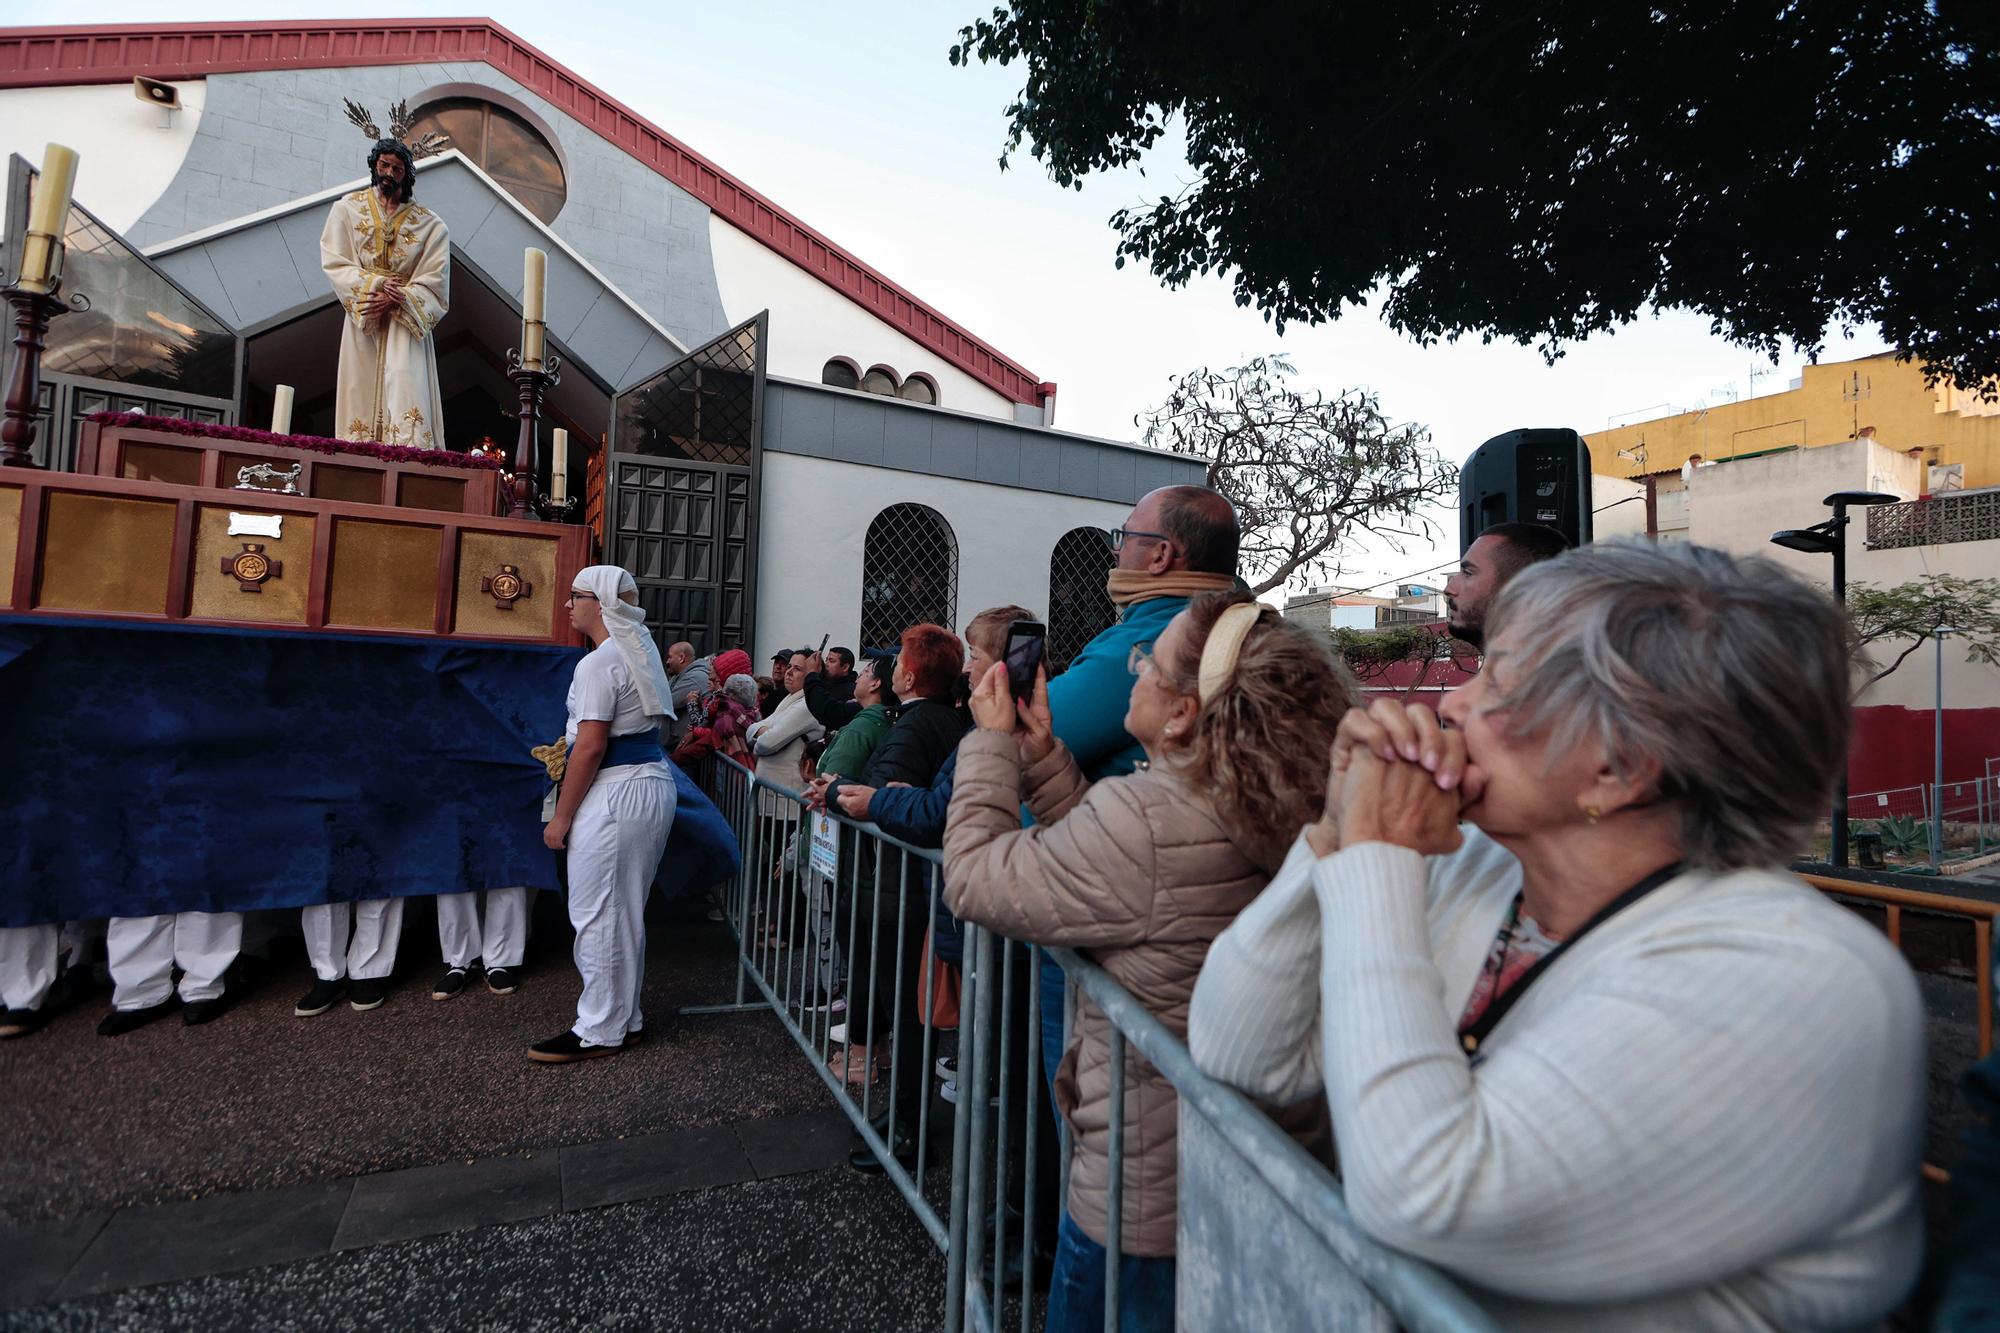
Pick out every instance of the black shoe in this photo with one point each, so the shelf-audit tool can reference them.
(904, 1146)
(20, 1022)
(367, 993)
(500, 980)
(320, 998)
(196, 1012)
(121, 1021)
(567, 1048)
(449, 985)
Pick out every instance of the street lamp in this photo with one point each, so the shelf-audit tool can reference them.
(1830, 538)
(1937, 751)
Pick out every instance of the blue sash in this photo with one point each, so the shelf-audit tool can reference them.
(641, 747)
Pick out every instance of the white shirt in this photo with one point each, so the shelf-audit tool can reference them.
(602, 691)
(1707, 1115)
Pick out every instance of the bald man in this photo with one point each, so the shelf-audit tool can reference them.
(689, 678)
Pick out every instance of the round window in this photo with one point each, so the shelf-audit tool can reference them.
(505, 146)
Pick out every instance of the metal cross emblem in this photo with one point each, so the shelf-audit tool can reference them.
(251, 567)
(506, 587)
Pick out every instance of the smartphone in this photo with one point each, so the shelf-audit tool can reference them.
(1025, 642)
(822, 645)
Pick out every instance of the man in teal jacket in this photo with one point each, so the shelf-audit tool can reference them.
(1178, 542)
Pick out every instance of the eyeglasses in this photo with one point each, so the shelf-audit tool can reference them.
(1120, 535)
(579, 595)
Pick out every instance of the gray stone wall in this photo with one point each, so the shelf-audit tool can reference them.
(852, 427)
(270, 137)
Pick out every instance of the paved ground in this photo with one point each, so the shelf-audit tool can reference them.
(324, 1172)
(259, 1098)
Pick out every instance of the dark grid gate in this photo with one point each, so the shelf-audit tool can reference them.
(909, 574)
(1079, 605)
(686, 459)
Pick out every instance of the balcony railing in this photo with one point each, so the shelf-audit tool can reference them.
(1956, 516)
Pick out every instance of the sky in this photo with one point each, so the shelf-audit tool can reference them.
(851, 117)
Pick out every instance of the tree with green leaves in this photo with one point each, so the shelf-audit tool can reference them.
(1899, 620)
(1306, 472)
(1371, 653)
(1541, 172)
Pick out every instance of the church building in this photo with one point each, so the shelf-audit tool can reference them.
(778, 440)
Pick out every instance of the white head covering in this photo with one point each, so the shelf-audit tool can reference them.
(627, 626)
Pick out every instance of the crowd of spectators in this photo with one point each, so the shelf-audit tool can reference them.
(1372, 917)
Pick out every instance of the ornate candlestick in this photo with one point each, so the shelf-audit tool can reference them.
(32, 312)
(531, 383)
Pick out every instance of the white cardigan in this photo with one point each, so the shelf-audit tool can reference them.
(1708, 1114)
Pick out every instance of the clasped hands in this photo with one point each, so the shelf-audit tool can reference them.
(852, 799)
(1396, 776)
(384, 300)
(994, 708)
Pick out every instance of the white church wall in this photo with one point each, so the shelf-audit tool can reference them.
(128, 151)
(811, 323)
(814, 524)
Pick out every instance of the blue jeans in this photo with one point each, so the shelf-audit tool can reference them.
(1076, 1288)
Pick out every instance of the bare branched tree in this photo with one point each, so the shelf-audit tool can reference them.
(1306, 472)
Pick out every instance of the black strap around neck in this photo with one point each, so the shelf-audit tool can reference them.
(1473, 1034)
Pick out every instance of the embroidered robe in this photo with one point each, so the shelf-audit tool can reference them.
(388, 386)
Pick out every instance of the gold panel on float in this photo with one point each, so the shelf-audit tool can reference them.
(162, 462)
(506, 585)
(10, 540)
(421, 492)
(106, 553)
(383, 575)
(252, 575)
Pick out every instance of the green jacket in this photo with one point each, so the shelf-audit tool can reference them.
(848, 754)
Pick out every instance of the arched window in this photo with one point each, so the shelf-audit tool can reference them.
(920, 388)
(879, 379)
(909, 574)
(1079, 607)
(505, 146)
(841, 374)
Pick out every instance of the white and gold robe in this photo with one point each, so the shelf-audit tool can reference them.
(388, 387)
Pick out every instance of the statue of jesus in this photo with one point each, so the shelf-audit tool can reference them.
(389, 260)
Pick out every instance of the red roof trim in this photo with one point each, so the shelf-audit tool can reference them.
(114, 53)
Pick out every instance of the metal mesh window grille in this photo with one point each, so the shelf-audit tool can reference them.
(701, 409)
(1079, 607)
(1967, 516)
(909, 574)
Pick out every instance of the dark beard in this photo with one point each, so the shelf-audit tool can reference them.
(394, 190)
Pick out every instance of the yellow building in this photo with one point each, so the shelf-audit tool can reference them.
(1829, 404)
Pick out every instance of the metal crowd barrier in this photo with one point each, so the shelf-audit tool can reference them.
(1264, 1236)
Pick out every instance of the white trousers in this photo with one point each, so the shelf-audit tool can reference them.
(615, 844)
(27, 965)
(145, 950)
(371, 954)
(498, 942)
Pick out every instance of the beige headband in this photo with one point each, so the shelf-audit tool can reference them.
(1225, 642)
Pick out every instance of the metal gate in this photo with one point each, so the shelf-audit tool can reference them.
(681, 490)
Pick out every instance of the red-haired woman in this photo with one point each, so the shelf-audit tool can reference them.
(928, 668)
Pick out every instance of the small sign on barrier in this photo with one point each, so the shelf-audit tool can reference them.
(825, 846)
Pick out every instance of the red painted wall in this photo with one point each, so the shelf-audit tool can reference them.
(1892, 746)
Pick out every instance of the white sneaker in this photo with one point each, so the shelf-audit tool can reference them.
(947, 1068)
(837, 1034)
(950, 1091)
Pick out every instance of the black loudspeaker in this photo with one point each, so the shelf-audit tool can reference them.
(1526, 476)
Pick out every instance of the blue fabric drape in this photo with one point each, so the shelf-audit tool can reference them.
(155, 768)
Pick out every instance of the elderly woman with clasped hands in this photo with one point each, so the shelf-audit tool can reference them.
(1587, 1046)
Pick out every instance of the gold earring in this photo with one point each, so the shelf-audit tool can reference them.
(1592, 813)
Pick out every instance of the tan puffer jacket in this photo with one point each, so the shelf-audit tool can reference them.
(1137, 871)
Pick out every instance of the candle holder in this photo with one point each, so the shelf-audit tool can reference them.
(557, 513)
(32, 312)
(531, 385)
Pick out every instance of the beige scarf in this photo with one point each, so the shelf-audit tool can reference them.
(1126, 586)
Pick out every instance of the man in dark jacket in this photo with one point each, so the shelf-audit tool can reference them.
(830, 688)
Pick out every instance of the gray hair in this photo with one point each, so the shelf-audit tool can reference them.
(741, 688)
(1728, 672)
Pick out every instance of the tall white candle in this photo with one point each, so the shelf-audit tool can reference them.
(281, 411)
(47, 216)
(559, 467)
(534, 286)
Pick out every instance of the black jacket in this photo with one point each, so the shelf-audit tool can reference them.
(830, 701)
(925, 735)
